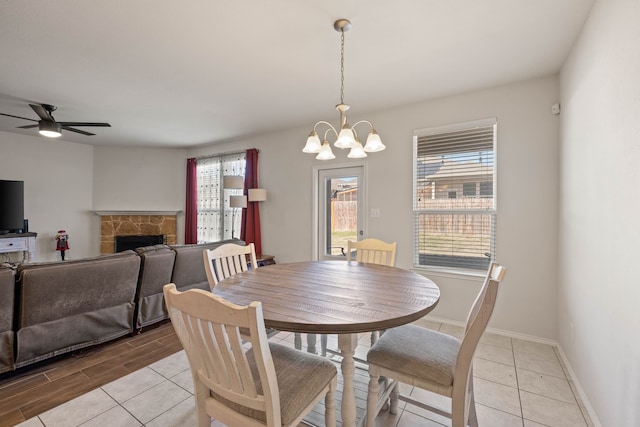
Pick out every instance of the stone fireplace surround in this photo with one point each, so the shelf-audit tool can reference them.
(135, 223)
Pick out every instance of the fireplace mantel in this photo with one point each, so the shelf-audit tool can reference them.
(115, 212)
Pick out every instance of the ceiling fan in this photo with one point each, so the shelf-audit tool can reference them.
(48, 126)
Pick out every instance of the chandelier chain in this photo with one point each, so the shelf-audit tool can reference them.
(342, 67)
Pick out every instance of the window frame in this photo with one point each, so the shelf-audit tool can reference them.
(455, 270)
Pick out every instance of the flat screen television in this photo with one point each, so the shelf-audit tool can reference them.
(12, 206)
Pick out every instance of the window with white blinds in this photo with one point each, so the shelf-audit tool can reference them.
(454, 196)
(216, 219)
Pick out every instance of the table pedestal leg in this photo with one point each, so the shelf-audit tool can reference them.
(311, 343)
(347, 344)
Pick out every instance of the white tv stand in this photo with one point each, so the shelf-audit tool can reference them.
(19, 242)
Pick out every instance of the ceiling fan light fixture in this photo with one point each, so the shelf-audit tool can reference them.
(50, 129)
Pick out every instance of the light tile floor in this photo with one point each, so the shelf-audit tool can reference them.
(517, 383)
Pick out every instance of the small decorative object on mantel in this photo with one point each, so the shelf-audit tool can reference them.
(62, 242)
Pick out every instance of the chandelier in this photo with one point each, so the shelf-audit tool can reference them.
(346, 137)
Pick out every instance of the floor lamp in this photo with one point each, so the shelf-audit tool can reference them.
(236, 202)
(234, 182)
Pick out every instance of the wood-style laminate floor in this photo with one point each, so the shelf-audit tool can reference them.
(34, 389)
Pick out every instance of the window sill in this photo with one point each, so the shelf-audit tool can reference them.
(471, 275)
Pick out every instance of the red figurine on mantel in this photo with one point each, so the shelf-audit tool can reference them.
(62, 239)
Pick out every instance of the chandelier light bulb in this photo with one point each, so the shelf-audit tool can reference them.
(357, 152)
(346, 139)
(325, 152)
(313, 143)
(374, 143)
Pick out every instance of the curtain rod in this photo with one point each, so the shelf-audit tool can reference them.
(227, 153)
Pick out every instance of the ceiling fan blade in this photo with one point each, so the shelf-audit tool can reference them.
(28, 126)
(78, 131)
(17, 117)
(84, 124)
(42, 112)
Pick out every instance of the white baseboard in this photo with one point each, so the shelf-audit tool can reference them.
(509, 334)
(576, 386)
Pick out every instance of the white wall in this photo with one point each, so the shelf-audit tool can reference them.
(599, 227)
(58, 186)
(527, 195)
(66, 182)
(100, 178)
(151, 179)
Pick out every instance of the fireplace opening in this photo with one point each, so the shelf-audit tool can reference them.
(123, 243)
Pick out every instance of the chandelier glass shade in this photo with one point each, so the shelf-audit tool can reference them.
(346, 136)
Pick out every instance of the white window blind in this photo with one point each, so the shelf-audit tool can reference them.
(216, 219)
(454, 196)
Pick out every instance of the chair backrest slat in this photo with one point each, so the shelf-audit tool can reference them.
(372, 251)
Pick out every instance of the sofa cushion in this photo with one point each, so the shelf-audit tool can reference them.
(53, 290)
(67, 305)
(155, 271)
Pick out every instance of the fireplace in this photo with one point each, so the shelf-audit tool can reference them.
(136, 223)
(123, 243)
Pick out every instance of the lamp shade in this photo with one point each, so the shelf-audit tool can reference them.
(238, 201)
(346, 139)
(374, 143)
(313, 143)
(357, 152)
(233, 181)
(325, 152)
(257, 194)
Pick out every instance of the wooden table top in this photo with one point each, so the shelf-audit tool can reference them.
(333, 296)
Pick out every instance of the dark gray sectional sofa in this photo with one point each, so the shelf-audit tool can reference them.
(51, 308)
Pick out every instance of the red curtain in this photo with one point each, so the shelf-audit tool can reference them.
(191, 207)
(250, 228)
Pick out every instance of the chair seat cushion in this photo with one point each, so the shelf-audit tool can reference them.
(301, 377)
(418, 353)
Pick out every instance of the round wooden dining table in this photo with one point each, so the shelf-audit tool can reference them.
(334, 297)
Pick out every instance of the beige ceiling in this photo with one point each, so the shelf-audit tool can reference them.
(169, 73)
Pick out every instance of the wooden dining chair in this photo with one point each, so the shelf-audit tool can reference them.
(227, 260)
(372, 251)
(432, 360)
(246, 385)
